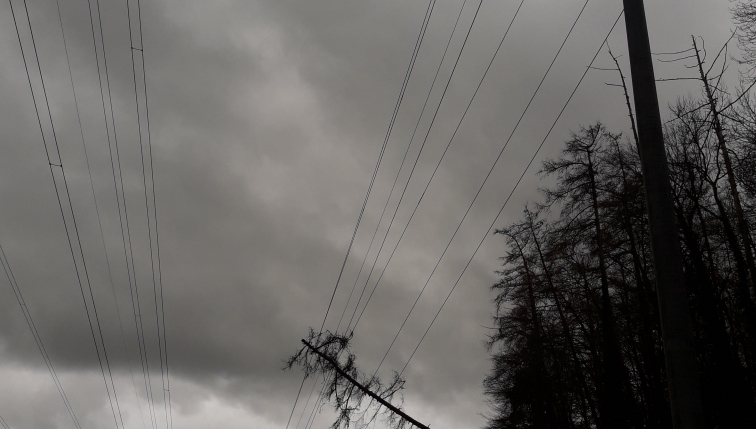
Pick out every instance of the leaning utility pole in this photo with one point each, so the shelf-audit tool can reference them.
(677, 332)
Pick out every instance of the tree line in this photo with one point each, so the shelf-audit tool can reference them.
(577, 340)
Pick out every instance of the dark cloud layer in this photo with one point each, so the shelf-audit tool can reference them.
(266, 119)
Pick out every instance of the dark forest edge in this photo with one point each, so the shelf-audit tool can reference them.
(577, 342)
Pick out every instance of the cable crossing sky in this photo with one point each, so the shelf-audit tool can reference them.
(351, 328)
(68, 213)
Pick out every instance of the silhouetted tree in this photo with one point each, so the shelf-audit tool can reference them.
(345, 386)
(578, 341)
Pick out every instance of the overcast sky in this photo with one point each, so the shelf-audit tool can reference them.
(266, 121)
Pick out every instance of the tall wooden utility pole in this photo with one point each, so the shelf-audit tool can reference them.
(677, 332)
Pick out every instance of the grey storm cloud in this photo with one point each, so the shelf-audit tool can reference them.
(267, 118)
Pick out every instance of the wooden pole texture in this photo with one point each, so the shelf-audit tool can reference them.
(674, 311)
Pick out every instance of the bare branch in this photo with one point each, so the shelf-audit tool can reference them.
(347, 387)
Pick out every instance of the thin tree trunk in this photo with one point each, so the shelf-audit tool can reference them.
(614, 406)
(542, 404)
(743, 229)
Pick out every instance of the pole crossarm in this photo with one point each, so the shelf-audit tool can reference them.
(367, 391)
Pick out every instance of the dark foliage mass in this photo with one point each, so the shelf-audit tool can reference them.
(577, 341)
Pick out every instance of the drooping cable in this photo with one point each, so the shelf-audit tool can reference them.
(564, 107)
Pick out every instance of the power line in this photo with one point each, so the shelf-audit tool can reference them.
(97, 209)
(410, 67)
(295, 401)
(396, 179)
(75, 225)
(318, 401)
(125, 232)
(167, 387)
(314, 384)
(488, 175)
(401, 236)
(311, 418)
(146, 199)
(418, 44)
(388, 199)
(484, 181)
(409, 178)
(435, 114)
(73, 215)
(512, 191)
(420, 152)
(37, 338)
